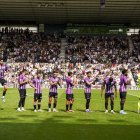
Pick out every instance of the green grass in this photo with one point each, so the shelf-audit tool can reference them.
(79, 125)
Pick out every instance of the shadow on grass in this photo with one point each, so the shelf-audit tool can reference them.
(45, 110)
(7, 119)
(62, 116)
(102, 111)
(80, 110)
(26, 116)
(87, 120)
(15, 108)
(62, 110)
(52, 129)
(133, 111)
(118, 121)
(30, 109)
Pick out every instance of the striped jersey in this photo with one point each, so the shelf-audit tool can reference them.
(87, 86)
(53, 88)
(37, 82)
(3, 68)
(21, 79)
(69, 85)
(123, 83)
(109, 86)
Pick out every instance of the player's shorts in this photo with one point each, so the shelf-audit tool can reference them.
(37, 96)
(123, 95)
(53, 94)
(3, 82)
(22, 93)
(107, 95)
(69, 97)
(87, 95)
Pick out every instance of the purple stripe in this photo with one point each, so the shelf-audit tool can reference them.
(38, 83)
(123, 80)
(22, 79)
(69, 85)
(87, 87)
(87, 90)
(53, 88)
(69, 91)
(3, 68)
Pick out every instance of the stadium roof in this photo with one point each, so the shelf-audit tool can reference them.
(70, 11)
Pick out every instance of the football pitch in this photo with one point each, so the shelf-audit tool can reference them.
(97, 125)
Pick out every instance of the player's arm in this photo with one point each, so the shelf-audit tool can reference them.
(74, 82)
(127, 81)
(115, 90)
(42, 86)
(89, 83)
(93, 81)
(42, 83)
(59, 82)
(102, 89)
(32, 85)
(52, 83)
(94, 77)
(21, 82)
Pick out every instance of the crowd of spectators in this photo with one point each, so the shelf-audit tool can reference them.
(136, 54)
(79, 71)
(24, 46)
(136, 49)
(98, 49)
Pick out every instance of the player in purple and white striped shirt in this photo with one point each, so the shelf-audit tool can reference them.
(69, 92)
(109, 85)
(37, 84)
(88, 83)
(54, 82)
(3, 69)
(124, 81)
(22, 80)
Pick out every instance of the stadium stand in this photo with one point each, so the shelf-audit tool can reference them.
(25, 46)
(23, 49)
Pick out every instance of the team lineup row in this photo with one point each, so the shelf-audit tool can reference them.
(108, 85)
